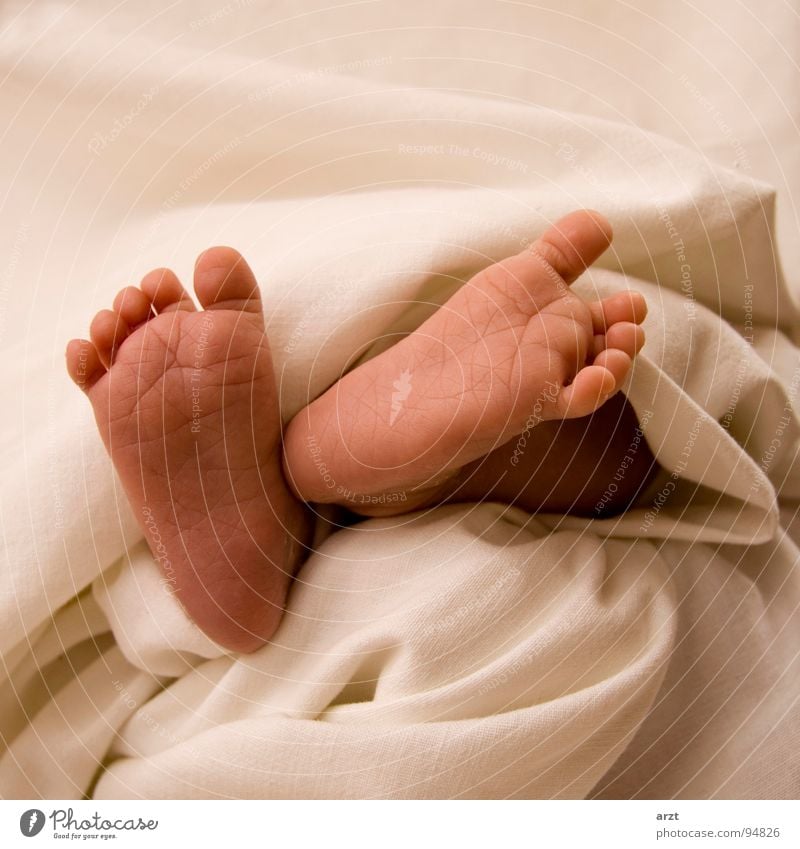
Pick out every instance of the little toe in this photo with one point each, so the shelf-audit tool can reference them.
(83, 363)
(622, 306)
(165, 291)
(108, 331)
(133, 306)
(223, 280)
(625, 336)
(592, 386)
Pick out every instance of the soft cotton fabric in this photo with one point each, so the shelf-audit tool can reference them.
(470, 651)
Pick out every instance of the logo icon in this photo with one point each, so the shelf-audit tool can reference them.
(402, 387)
(31, 822)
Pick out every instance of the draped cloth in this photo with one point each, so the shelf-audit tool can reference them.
(466, 651)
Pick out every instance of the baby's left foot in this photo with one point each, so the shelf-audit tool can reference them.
(186, 404)
(514, 347)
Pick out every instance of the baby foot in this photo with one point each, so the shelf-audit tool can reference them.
(513, 347)
(186, 404)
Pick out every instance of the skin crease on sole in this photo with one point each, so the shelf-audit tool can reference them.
(186, 404)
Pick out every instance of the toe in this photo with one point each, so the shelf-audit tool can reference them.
(83, 363)
(223, 280)
(592, 386)
(615, 361)
(133, 306)
(623, 306)
(108, 331)
(625, 336)
(165, 292)
(551, 263)
(574, 242)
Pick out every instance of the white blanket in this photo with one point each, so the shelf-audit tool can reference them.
(472, 651)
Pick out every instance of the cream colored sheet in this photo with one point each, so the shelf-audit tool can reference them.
(472, 651)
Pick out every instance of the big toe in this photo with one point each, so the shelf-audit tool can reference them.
(557, 258)
(574, 242)
(224, 280)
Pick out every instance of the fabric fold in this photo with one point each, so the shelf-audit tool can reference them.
(469, 651)
(490, 628)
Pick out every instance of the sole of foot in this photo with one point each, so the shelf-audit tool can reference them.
(186, 404)
(513, 342)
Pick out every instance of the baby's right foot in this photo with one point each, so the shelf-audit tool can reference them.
(514, 343)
